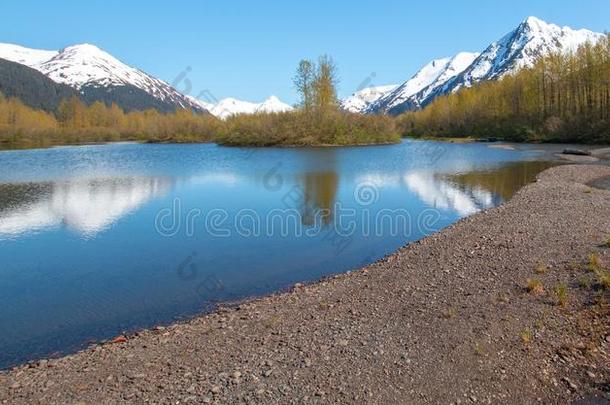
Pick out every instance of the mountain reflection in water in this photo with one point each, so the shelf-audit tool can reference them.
(84, 206)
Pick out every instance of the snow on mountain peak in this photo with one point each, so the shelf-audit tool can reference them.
(85, 65)
(273, 104)
(532, 39)
(533, 21)
(359, 101)
(230, 106)
(25, 56)
(522, 47)
(429, 78)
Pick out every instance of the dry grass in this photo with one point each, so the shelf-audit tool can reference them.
(584, 282)
(560, 291)
(595, 262)
(603, 278)
(601, 274)
(535, 286)
(526, 336)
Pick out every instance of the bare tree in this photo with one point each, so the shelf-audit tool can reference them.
(304, 83)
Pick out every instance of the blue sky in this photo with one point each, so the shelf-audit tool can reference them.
(249, 49)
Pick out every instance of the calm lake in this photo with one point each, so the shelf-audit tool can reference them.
(97, 240)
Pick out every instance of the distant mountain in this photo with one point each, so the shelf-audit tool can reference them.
(230, 106)
(31, 87)
(361, 100)
(431, 76)
(520, 48)
(97, 75)
(25, 56)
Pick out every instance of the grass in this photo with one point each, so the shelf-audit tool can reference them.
(601, 274)
(560, 290)
(584, 282)
(603, 278)
(526, 336)
(594, 262)
(535, 286)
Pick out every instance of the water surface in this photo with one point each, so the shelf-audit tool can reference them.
(97, 240)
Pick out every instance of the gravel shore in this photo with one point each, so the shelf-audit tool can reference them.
(448, 319)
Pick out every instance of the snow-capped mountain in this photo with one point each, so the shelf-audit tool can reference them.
(25, 56)
(360, 101)
(431, 76)
(231, 106)
(272, 105)
(32, 87)
(520, 48)
(98, 75)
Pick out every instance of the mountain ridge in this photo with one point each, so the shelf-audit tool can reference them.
(519, 48)
(32, 87)
(229, 106)
(99, 76)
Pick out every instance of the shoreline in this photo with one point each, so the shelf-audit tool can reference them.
(442, 319)
(598, 151)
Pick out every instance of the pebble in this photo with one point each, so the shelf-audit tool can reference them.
(215, 389)
(572, 386)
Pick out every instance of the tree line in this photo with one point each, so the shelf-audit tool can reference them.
(317, 121)
(76, 122)
(563, 98)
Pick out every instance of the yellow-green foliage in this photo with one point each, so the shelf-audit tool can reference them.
(560, 291)
(603, 278)
(563, 98)
(303, 128)
(526, 336)
(22, 126)
(597, 267)
(595, 262)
